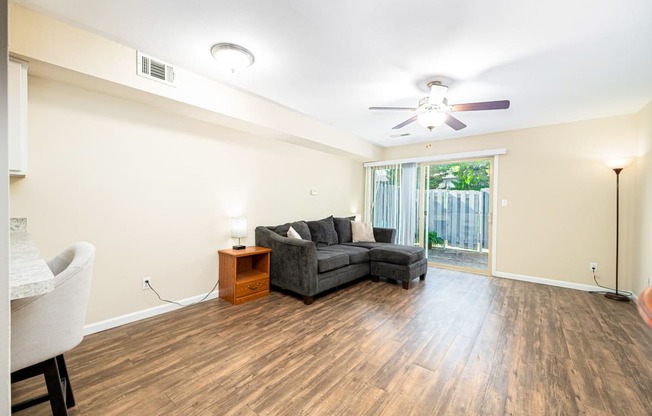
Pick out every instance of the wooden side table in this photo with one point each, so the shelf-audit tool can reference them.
(244, 274)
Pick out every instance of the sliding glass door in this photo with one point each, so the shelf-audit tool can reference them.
(444, 207)
(395, 200)
(456, 222)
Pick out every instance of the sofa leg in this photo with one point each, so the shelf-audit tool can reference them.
(406, 285)
(375, 278)
(422, 277)
(307, 300)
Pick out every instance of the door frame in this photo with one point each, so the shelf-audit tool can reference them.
(423, 214)
(474, 154)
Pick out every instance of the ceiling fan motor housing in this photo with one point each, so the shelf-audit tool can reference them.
(437, 92)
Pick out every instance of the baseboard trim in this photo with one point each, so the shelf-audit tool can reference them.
(558, 283)
(144, 314)
(549, 282)
(169, 307)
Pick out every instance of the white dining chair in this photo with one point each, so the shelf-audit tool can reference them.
(44, 327)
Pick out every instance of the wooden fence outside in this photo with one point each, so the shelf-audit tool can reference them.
(461, 218)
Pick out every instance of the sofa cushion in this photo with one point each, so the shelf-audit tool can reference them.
(322, 232)
(362, 231)
(366, 244)
(343, 229)
(330, 260)
(300, 227)
(356, 254)
(396, 254)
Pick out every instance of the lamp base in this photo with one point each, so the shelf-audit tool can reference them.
(239, 247)
(616, 296)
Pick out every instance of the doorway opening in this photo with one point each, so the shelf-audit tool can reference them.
(456, 200)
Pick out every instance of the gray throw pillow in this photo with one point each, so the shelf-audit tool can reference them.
(323, 232)
(302, 228)
(343, 229)
(282, 229)
(299, 226)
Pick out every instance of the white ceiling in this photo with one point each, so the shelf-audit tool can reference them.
(556, 60)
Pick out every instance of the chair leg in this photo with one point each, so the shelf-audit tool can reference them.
(55, 390)
(63, 372)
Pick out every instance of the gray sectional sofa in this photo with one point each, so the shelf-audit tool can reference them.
(327, 257)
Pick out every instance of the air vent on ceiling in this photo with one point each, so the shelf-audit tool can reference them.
(155, 69)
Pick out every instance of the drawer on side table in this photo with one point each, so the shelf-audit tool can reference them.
(250, 287)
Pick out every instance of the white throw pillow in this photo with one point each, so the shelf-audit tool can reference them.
(292, 233)
(362, 231)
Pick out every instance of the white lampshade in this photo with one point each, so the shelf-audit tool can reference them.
(431, 119)
(619, 163)
(239, 227)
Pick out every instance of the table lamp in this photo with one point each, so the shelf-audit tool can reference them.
(238, 230)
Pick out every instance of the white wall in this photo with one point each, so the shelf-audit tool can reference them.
(154, 191)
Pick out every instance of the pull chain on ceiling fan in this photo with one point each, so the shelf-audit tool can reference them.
(433, 109)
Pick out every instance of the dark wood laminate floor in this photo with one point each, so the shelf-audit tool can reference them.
(456, 344)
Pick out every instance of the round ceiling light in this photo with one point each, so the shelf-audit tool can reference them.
(231, 56)
(431, 119)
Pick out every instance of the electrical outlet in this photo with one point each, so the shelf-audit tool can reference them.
(146, 281)
(593, 267)
(648, 281)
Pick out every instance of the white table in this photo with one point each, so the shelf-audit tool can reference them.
(29, 274)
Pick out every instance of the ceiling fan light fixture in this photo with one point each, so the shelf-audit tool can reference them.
(231, 56)
(437, 92)
(431, 119)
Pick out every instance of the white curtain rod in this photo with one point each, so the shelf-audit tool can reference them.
(437, 158)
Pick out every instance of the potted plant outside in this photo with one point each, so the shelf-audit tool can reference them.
(434, 240)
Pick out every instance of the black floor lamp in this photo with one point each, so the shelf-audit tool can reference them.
(612, 295)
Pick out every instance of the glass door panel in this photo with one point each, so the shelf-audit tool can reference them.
(456, 213)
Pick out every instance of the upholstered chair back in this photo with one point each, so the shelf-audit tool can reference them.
(45, 326)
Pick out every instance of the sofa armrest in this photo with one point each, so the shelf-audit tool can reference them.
(293, 262)
(384, 235)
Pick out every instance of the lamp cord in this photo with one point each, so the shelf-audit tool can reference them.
(178, 303)
(624, 292)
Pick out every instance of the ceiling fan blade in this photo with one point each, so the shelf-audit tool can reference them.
(405, 123)
(485, 105)
(454, 123)
(392, 108)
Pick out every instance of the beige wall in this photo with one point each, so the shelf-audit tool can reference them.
(561, 195)
(150, 173)
(154, 191)
(641, 275)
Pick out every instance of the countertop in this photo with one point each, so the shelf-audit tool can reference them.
(29, 274)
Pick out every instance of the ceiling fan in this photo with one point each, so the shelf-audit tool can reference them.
(433, 110)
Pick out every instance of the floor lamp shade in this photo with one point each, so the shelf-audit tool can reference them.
(238, 230)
